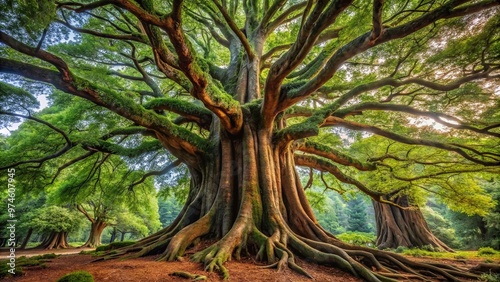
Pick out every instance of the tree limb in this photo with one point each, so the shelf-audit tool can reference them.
(163, 171)
(334, 121)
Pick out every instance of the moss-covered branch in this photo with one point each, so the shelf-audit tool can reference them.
(177, 136)
(438, 117)
(471, 154)
(366, 41)
(202, 88)
(326, 165)
(40, 161)
(330, 153)
(200, 115)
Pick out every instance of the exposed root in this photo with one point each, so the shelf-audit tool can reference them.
(187, 275)
(213, 258)
(184, 238)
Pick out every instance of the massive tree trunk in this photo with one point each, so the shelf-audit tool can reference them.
(56, 240)
(96, 230)
(404, 227)
(248, 198)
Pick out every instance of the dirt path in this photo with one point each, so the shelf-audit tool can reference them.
(35, 252)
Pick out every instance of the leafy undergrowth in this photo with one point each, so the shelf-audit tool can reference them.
(490, 277)
(358, 238)
(488, 255)
(22, 262)
(77, 276)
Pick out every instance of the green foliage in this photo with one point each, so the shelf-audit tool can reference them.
(490, 277)
(32, 15)
(485, 251)
(440, 226)
(77, 276)
(358, 238)
(23, 262)
(358, 218)
(55, 219)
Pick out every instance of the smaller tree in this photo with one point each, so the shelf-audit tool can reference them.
(55, 223)
(103, 193)
(358, 218)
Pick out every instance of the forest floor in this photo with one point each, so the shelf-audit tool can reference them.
(147, 269)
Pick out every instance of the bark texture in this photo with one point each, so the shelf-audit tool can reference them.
(408, 228)
(96, 229)
(55, 240)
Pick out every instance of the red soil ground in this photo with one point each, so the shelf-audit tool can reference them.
(147, 269)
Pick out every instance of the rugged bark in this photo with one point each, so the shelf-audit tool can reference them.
(247, 198)
(55, 240)
(96, 229)
(408, 228)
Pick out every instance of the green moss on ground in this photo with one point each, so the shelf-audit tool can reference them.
(77, 276)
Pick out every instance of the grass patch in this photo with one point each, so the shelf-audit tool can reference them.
(77, 276)
(447, 255)
(22, 262)
(486, 251)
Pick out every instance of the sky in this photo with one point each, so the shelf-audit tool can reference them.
(42, 99)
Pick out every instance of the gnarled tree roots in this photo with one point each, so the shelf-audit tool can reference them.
(279, 249)
(248, 198)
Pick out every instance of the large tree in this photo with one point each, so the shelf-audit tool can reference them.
(242, 92)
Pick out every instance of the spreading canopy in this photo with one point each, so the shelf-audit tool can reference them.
(267, 85)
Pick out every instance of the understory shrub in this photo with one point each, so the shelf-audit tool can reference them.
(77, 276)
(358, 238)
(485, 251)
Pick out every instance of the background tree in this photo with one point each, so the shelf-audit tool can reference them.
(358, 218)
(234, 91)
(100, 194)
(55, 223)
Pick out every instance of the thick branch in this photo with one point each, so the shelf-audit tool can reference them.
(438, 117)
(112, 148)
(40, 161)
(364, 42)
(165, 170)
(246, 45)
(200, 115)
(333, 155)
(324, 165)
(334, 121)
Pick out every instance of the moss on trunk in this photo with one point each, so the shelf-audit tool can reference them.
(246, 198)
